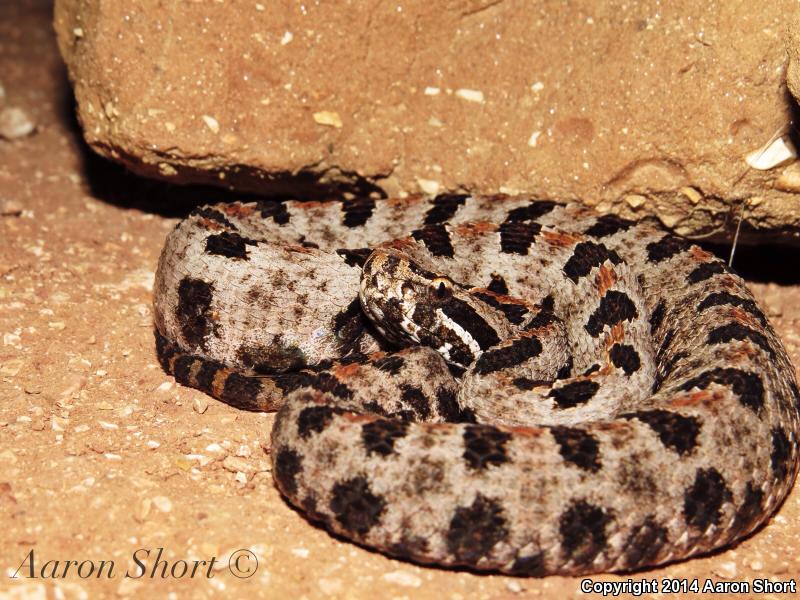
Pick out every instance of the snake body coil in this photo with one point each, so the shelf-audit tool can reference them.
(497, 383)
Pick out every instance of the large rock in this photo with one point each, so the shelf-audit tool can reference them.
(637, 107)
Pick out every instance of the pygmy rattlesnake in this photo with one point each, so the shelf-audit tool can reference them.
(589, 394)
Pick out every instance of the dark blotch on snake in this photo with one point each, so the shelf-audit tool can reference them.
(585, 257)
(380, 435)
(675, 431)
(748, 513)
(192, 312)
(702, 502)
(578, 447)
(445, 206)
(625, 357)
(498, 285)
(213, 215)
(412, 396)
(484, 445)
(273, 210)
(666, 248)
(516, 238)
(516, 353)
(748, 386)
(575, 393)
(288, 464)
(706, 271)
(606, 225)
(474, 530)
(436, 239)
(357, 211)
(583, 532)
(781, 453)
(614, 308)
(728, 299)
(644, 543)
(356, 508)
(531, 212)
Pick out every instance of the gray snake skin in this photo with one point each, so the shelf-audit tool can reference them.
(495, 383)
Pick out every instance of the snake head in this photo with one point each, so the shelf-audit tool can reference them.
(409, 304)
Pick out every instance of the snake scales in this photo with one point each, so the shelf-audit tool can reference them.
(496, 383)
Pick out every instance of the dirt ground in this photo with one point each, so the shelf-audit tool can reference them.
(104, 457)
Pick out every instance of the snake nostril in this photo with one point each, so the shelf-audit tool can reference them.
(443, 288)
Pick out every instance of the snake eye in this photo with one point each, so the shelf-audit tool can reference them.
(443, 287)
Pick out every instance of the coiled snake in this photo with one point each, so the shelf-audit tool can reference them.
(490, 382)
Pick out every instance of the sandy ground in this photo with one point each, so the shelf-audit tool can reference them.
(103, 455)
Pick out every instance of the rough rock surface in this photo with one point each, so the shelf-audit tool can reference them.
(639, 108)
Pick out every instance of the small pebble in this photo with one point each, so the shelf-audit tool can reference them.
(726, 570)
(15, 123)
(10, 208)
(162, 503)
(200, 405)
(404, 578)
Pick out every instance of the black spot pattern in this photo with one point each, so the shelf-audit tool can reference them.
(607, 225)
(348, 325)
(276, 211)
(728, 299)
(529, 566)
(614, 308)
(531, 212)
(472, 322)
(205, 375)
(781, 453)
(288, 464)
(644, 543)
(516, 353)
(391, 364)
(354, 257)
(750, 511)
(380, 435)
(565, 371)
(182, 369)
(525, 383)
(314, 419)
(706, 271)
(484, 445)
(675, 431)
(357, 211)
(356, 508)
(542, 319)
(447, 406)
(657, 316)
(578, 447)
(445, 206)
(323, 382)
(498, 285)
(194, 302)
(746, 385)
(585, 257)
(229, 245)
(665, 248)
(214, 215)
(575, 393)
(515, 313)
(413, 397)
(516, 238)
(625, 357)
(474, 530)
(242, 391)
(583, 532)
(436, 239)
(702, 502)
